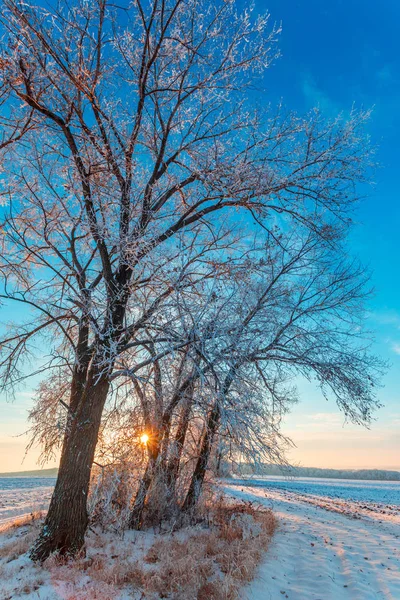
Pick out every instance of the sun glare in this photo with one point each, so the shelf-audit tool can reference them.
(144, 438)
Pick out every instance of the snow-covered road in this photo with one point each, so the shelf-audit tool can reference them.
(317, 554)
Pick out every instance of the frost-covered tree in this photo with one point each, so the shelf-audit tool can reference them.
(292, 307)
(135, 129)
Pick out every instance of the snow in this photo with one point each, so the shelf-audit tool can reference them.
(377, 492)
(21, 579)
(321, 553)
(325, 548)
(23, 495)
(360, 499)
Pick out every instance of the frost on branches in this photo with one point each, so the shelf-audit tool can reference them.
(174, 251)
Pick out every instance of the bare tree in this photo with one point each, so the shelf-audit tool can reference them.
(288, 309)
(136, 128)
(304, 318)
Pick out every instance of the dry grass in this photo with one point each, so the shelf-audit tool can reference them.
(22, 532)
(18, 522)
(215, 563)
(210, 561)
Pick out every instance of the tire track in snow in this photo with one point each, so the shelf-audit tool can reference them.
(322, 555)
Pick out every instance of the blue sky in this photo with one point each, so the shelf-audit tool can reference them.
(334, 54)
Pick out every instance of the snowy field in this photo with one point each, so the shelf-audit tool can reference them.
(22, 495)
(336, 539)
(381, 499)
(378, 492)
(359, 499)
(326, 548)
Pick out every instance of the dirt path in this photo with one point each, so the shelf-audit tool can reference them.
(321, 555)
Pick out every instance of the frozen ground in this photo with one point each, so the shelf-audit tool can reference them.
(325, 549)
(377, 492)
(359, 499)
(336, 540)
(22, 495)
(199, 562)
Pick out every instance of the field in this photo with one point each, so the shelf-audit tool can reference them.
(383, 492)
(326, 547)
(378, 499)
(22, 495)
(336, 539)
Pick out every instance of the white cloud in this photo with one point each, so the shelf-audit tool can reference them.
(386, 317)
(396, 348)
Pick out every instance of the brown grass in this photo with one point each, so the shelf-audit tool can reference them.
(18, 522)
(215, 563)
(28, 526)
(210, 561)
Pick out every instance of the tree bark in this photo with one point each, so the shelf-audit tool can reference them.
(136, 515)
(67, 519)
(158, 456)
(199, 472)
(172, 470)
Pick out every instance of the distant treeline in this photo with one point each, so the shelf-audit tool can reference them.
(37, 473)
(278, 470)
(275, 470)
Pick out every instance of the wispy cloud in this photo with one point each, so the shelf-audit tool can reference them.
(396, 348)
(395, 419)
(385, 317)
(320, 423)
(315, 96)
(326, 417)
(385, 74)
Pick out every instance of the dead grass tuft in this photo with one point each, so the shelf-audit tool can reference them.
(28, 519)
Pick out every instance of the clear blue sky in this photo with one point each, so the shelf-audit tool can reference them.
(334, 54)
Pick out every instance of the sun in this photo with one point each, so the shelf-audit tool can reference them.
(144, 438)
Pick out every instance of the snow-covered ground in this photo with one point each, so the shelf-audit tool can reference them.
(325, 548)
(376, 492)
(22, 495)
(336, 540)
(359, 499)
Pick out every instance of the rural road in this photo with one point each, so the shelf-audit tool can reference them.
(321, 555)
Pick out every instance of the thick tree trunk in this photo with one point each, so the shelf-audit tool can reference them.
(199, 472)
(79, 376)
(67, 519)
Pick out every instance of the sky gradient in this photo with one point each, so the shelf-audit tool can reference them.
(334, 55)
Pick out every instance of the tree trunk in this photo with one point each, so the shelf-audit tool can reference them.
(155, 466)
(67, 519)
(179, 442)
(196, 482)
(136, 515)
(158, 457)
(219, 461)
